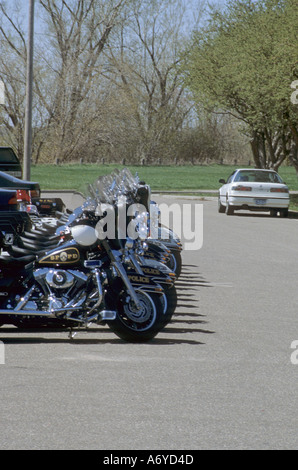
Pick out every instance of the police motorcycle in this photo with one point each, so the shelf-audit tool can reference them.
(81, 281)
(162, 241)
(140, 261)
(142, 257)
(161, 237)
(164, 245)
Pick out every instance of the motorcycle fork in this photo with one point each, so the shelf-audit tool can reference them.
(135, 264)
(117, 264)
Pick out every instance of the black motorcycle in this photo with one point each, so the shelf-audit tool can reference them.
(81, 281)
(73, 278)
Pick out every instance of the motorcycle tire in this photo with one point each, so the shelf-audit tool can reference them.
(170, 299)
(175, 262)
(138, 326)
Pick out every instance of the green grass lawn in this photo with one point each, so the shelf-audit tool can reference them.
(294, 202)
(160, 178)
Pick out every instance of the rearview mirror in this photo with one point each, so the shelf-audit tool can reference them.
(222, 181)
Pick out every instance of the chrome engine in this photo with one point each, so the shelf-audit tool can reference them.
(63, 289)
(59, 279)
(58, 293)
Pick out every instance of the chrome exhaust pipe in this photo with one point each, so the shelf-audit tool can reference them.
(104, 315)
(39, 313)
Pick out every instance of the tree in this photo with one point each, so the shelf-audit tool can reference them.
(144, 60)
(67, 102)
(243, 63)
(107, 81)
(79, 31)
(13, 76)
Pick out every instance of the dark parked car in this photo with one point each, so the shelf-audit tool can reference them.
(8, 200)
(9, 162)
(26, 190)
(10, 182)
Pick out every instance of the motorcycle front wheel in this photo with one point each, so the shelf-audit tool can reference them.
(175, 262)
(141, 324)
(169, 300)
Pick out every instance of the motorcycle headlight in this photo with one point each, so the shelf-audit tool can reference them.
(142, 225)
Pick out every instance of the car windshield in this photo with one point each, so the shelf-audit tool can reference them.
(7, 156)
(258, 176)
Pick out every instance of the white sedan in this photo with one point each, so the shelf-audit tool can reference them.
(255, 190)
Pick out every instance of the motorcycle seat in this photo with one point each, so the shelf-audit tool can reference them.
(41, 231)
(19, 252)
(37, 243)
(40, 237)
(16, 262)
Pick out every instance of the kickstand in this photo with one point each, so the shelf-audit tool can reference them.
(72, 333)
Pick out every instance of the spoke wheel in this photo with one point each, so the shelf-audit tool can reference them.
(175, 262)
(138, 324)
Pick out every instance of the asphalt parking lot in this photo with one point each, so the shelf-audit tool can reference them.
(219, 376)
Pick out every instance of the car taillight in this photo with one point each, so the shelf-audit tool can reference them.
(241, 187)
(23, 195)
(279, 190)
(13, 200)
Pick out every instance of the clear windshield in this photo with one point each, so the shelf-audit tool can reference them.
(107, 188)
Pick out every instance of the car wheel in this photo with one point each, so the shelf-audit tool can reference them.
(229, 209)
(273, 213)
(221, 208)
(284, 212)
